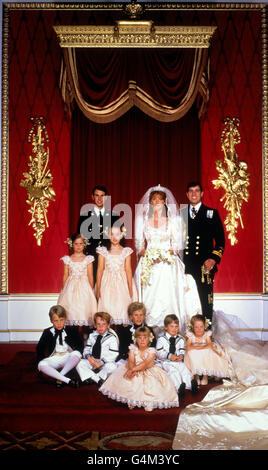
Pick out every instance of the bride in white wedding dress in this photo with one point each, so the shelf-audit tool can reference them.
(234, 415)
(162, 285)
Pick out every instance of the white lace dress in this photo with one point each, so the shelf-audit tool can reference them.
(211, 362)
(151, 388)
(77, 296)
(167, 289)
(114, 292)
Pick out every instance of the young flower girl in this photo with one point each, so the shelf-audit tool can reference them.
(115, 287)
(140, 382)
(77, 296)
(203, 357)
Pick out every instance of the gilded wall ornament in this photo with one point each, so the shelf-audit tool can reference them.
(233, 178)
(38, 180)
(133, 10)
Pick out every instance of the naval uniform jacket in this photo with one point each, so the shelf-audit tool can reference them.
(163, 345)
(109, 347)
(47, 342)
(205, 239)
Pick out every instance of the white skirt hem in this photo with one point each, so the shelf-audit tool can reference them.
(140, 404)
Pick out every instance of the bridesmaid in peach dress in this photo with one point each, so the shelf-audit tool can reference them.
(203, 357)
(140, 382)
(77, 295)
(115, 286)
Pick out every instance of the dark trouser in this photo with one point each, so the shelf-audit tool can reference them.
(205, 290)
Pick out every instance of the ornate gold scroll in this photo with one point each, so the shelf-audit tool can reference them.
(233, 177)
(38, 180)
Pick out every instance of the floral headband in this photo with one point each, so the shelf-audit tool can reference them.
(150, 336)
(207, 325)
(70, 242)
(123, 231)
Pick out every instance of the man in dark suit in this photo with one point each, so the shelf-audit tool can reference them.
(204, 245)
(94, 223)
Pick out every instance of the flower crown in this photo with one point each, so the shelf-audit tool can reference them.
(70, 242)
(123, 231)
(207, 325)
(150, 336)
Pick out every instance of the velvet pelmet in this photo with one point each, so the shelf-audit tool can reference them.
(106, 83)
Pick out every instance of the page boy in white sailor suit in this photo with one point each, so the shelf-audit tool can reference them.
(170, 352)
(100, 352)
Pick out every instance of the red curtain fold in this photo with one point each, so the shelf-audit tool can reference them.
(106, 83)
(133, 152)
(104, 74)
(129, 155)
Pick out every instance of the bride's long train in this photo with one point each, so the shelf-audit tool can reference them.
(234, 415)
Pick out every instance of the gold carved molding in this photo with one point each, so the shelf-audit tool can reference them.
(135, 34)
(4, 160)
(233, 178)
(264, 26)
(38, 179)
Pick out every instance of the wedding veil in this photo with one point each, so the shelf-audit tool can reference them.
(173, 214)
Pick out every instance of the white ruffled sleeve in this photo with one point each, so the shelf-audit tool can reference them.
(66, 259)
(189, 335)
(127, 251)
(89, 259)
(102, 250)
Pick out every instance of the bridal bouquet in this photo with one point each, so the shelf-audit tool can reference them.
(151, 257)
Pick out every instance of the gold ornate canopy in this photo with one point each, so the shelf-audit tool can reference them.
(137, 34)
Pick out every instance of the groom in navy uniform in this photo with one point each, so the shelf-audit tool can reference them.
(94, 224)
(204, 245)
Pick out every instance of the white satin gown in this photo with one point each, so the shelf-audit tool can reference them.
(169, 290)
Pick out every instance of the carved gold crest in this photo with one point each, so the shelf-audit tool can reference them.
(38, 180)
(233, 178)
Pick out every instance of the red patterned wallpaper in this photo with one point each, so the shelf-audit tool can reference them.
(236, 92)
(34, 58)
(34, 72)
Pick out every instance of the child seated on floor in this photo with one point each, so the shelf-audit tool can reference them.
(59, 349)
(100, 352)
(203, 357)
(170, 352)
(136, 313)
(139, 382)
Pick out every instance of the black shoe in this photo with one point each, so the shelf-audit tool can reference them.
(194, 386)
(89, 382)
(73, 383)
(181, 391)
(100, 382)
(59, 384)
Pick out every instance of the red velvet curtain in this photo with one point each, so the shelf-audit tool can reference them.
(131, 154)
(104, 73)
